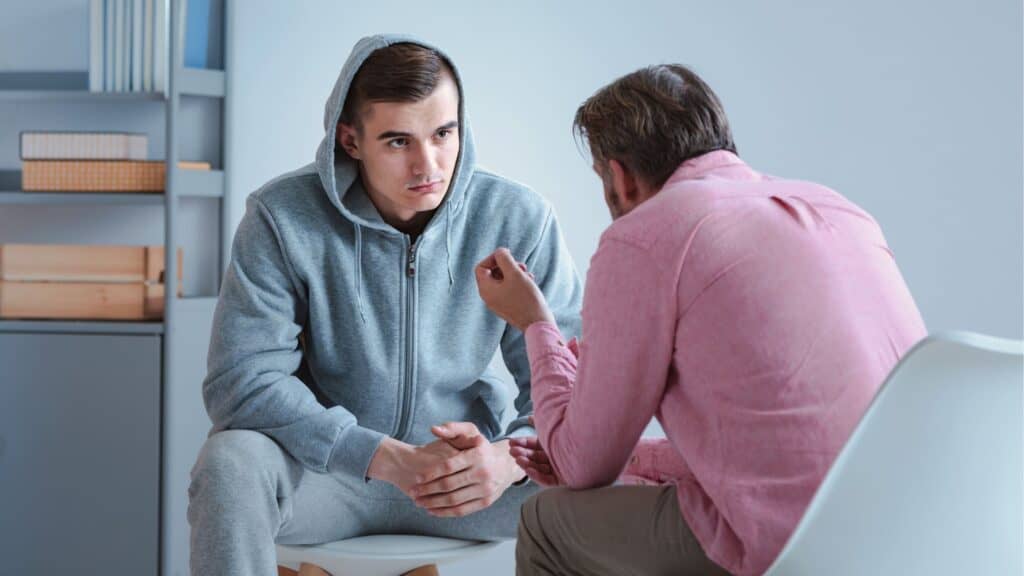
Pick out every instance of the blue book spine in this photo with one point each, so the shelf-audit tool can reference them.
(197, 33)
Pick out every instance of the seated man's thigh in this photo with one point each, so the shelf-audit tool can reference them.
(499, 521)
(612, 530)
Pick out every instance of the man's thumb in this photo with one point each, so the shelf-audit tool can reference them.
(461, 435)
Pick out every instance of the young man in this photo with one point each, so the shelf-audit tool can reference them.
(754, 317)
(349, 329)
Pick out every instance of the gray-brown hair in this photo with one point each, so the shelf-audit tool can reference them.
(653, 120)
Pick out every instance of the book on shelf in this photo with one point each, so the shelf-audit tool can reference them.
(108, 45)
(98, 175)
(127, 45)
(118, 33)
(197, 33)
(160, 49)
(147, 46)
(96, 25)
(136, 33)
(39, 145)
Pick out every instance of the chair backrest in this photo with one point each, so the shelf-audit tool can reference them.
(930, 481)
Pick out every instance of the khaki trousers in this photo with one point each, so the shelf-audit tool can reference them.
(618, 530)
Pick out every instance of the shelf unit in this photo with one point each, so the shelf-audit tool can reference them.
(181, 338)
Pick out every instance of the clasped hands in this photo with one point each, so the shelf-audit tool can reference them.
(459, 473)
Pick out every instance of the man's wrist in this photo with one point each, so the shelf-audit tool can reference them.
(515, 473)
(543, 316)
(384, 464)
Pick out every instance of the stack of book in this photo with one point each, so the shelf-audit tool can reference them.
(128, 45)
(128, 50)
(91, 162)
(49, 281)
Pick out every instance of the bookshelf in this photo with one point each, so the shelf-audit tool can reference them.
(75, 85)
(127, 513)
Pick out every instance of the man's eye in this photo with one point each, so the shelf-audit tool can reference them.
(444, 133)
(397, 143)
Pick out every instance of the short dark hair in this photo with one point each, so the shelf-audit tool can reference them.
(403, 72)
(653, 120)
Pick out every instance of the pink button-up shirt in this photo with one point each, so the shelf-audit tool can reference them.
(755, 318)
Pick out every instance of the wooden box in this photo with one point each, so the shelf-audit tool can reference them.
(98, 175)
(83, 282)
(81, 300)
(77, 263)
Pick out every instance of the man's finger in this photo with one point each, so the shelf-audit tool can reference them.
(460, 510)
(452, 429)
(452, 465)
(530, 442)
(533, 455)
(450, 499)
(506, 263)
(461, 435)
(533, 463)
(443, 485)
(542, 478)
(526, 463)
(487, 270)
(488, 263)
(483, 276)
(465, 442)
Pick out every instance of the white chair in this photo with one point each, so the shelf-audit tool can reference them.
(930, 481)
(384, 555)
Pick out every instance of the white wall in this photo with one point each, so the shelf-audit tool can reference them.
(912, 109)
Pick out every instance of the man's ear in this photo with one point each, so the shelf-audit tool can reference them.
(624, 183)
(348, 139)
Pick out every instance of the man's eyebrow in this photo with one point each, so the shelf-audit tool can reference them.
(395, 134)
(392, 134)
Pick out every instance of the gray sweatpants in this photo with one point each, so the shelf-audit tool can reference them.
(247, 493)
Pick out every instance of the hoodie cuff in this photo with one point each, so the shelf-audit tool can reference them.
(519, 432)
(353, 451)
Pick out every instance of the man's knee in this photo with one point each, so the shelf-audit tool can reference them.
(232, 463)
(533, 542)
(535, 509)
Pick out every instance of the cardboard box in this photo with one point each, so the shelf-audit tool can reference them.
(81, 300)
(78, 263)
(98, 175)
(83, 282)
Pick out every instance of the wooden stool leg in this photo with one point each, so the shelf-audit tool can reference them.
(429, 570)
(312, 570)
(282, 571)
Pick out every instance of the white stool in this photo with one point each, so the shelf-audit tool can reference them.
(384, 555)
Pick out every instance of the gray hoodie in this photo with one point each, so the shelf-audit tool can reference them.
(333, 330)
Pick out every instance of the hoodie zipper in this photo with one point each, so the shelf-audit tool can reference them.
(405, 398)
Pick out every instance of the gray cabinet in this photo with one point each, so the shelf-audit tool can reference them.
(79, 453)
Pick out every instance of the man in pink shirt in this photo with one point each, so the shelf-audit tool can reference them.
(754, 317)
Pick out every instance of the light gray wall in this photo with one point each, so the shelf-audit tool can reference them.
(912, 109)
